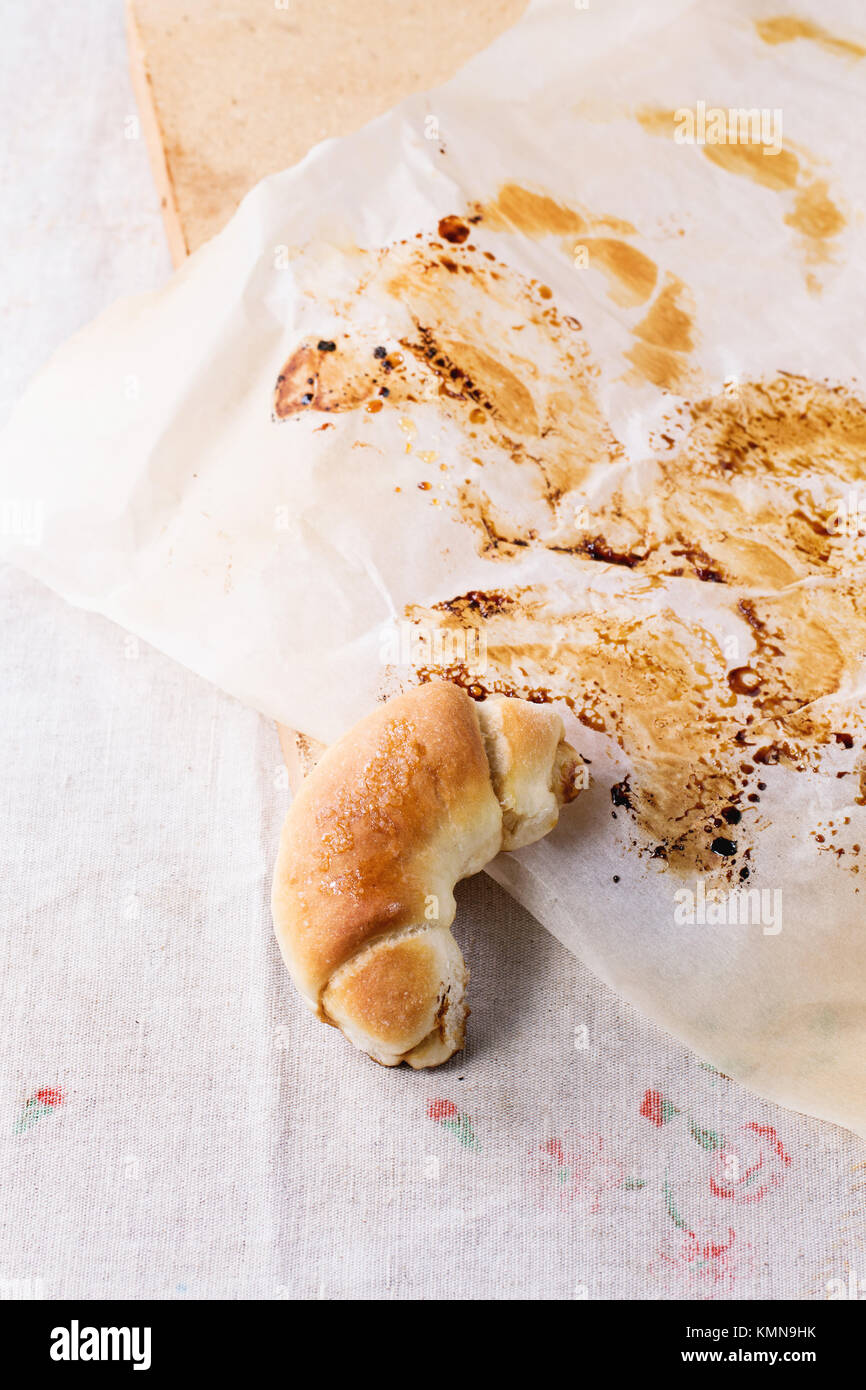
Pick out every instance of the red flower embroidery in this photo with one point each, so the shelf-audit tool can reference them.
(747, 1171)
(575, 1167)
(42, 1102)
(769, 1133)
(50, 1095)
(656, 1109)
(445, 1113)
(442, 1110)
(698, 1261)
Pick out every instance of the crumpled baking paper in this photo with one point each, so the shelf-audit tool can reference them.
(548, 381)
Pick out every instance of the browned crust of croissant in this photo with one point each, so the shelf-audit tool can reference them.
(421, 793)
(390, 994)
(357, 858)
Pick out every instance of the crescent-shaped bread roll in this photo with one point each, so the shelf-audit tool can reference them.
(423, 792)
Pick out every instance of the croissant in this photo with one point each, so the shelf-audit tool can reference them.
(421, 793)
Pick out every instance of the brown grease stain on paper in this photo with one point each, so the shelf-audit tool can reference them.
(740, 493)
(787, 28)
(701, 715)
(523, 387)
(535, 214)
(631, 277)
(670, 321)
(776, 171)
(630, 274)
(813, 214)
(665, 336)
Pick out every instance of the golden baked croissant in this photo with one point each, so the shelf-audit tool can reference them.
(423, 792)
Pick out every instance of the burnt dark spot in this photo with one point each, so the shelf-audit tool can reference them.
(484, 602)
(721, 845)
(325, 345)
(732, 815)
(450, 372)
(453, 229)
(766, 755)
(380, 352)
(845, 739)
(620, 793)
(703, 564)
(598, 549)
(306, 398)
(743, 680)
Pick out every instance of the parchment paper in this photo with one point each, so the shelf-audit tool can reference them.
(517, 362)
